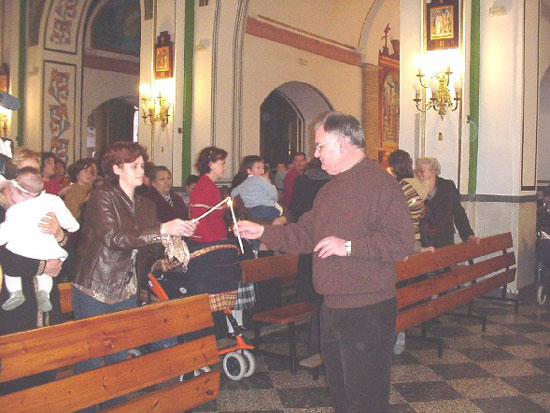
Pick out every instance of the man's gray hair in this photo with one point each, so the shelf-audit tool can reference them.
(432, 163)
(342, 125)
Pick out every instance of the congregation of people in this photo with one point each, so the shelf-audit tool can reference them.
(91, 222)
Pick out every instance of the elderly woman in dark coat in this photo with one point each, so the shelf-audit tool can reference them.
(169, 204)
(443, 208)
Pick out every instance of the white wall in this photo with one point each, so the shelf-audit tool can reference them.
(500, 106)
(268, 65)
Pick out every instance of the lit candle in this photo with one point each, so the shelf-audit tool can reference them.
(210, 210)
(230, 203)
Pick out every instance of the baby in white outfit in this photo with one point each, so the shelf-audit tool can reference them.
(22, 235)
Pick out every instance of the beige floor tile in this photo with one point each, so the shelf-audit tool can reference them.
(482, 388)
(492, 330)
(535, 351)
(542, 338)
(430, 356)
(468, 342)
(542, 399)
(412, 373)
(446, 406)
(245, 400)
(509, 368)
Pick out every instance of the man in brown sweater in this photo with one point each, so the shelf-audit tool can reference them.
(360, 225)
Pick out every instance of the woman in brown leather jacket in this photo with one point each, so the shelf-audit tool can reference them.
(116, 223)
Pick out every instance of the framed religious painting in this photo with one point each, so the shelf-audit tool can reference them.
(388, 107)
(164, 65)
(4, 78)
(442, 22)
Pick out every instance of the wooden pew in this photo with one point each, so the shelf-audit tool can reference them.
(458, 274)
(26, 353)
(277, 267)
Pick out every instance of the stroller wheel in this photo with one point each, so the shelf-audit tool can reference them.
(541, 294)
(250, 362)
(234, 366)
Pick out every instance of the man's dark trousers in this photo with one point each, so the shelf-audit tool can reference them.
(357, 348)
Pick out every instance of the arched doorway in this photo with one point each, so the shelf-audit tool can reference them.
(287, 119)
(110, 58)
(112, 121)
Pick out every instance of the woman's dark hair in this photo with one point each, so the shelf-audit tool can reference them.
(62, 162)
(156, 171)
(207, 155)
(44, 156)
(246, 164)
(149, 170)
(401, 163)
(78, 167)
(118, 154)
(191, 179)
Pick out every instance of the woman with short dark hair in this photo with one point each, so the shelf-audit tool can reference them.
(116, 223)
(205, 195)
(76, 196)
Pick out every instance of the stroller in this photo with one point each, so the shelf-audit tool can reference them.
(214, 269)
(543, 251)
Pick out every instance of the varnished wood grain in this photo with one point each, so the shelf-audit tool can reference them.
(267, 268)
(177, 397)
(96, 386)
(48, 348)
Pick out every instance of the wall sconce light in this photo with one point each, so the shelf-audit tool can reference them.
(154, 109)
(440, 99)
(3, 125)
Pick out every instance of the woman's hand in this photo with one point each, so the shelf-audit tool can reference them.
(50, 225)
(178, 227)
(53, 267)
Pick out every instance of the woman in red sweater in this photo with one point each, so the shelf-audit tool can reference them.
(205, 195)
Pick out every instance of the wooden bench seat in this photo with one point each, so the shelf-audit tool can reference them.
(282, 267)
(457, 274)
(51, 348)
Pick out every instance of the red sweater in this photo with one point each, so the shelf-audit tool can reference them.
(52, 186)
(204, 196)
(365, 205)
(288, 191)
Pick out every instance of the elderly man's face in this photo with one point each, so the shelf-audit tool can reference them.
(327, 149)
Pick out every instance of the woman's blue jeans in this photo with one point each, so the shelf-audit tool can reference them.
(85, 306)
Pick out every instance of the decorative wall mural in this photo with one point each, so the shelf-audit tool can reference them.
(117, 27)
(58, 108)
(63, 24)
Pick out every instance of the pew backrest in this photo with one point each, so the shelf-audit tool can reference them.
(35, 351)
(456, 275)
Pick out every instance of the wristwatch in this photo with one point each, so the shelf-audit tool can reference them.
(348, 248)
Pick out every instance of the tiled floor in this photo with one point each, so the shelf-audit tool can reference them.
(505, 369)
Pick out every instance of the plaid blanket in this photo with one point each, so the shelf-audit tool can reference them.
(246, 297)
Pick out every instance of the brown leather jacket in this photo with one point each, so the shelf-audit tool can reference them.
(113, 227)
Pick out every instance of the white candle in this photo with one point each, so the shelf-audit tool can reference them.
(210, 210)
(230, 203)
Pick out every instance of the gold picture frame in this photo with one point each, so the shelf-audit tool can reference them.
(442, 24)
(164, 64)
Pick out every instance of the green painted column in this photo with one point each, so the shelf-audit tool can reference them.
(187, 89)
(474, 95)
(21, 71)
